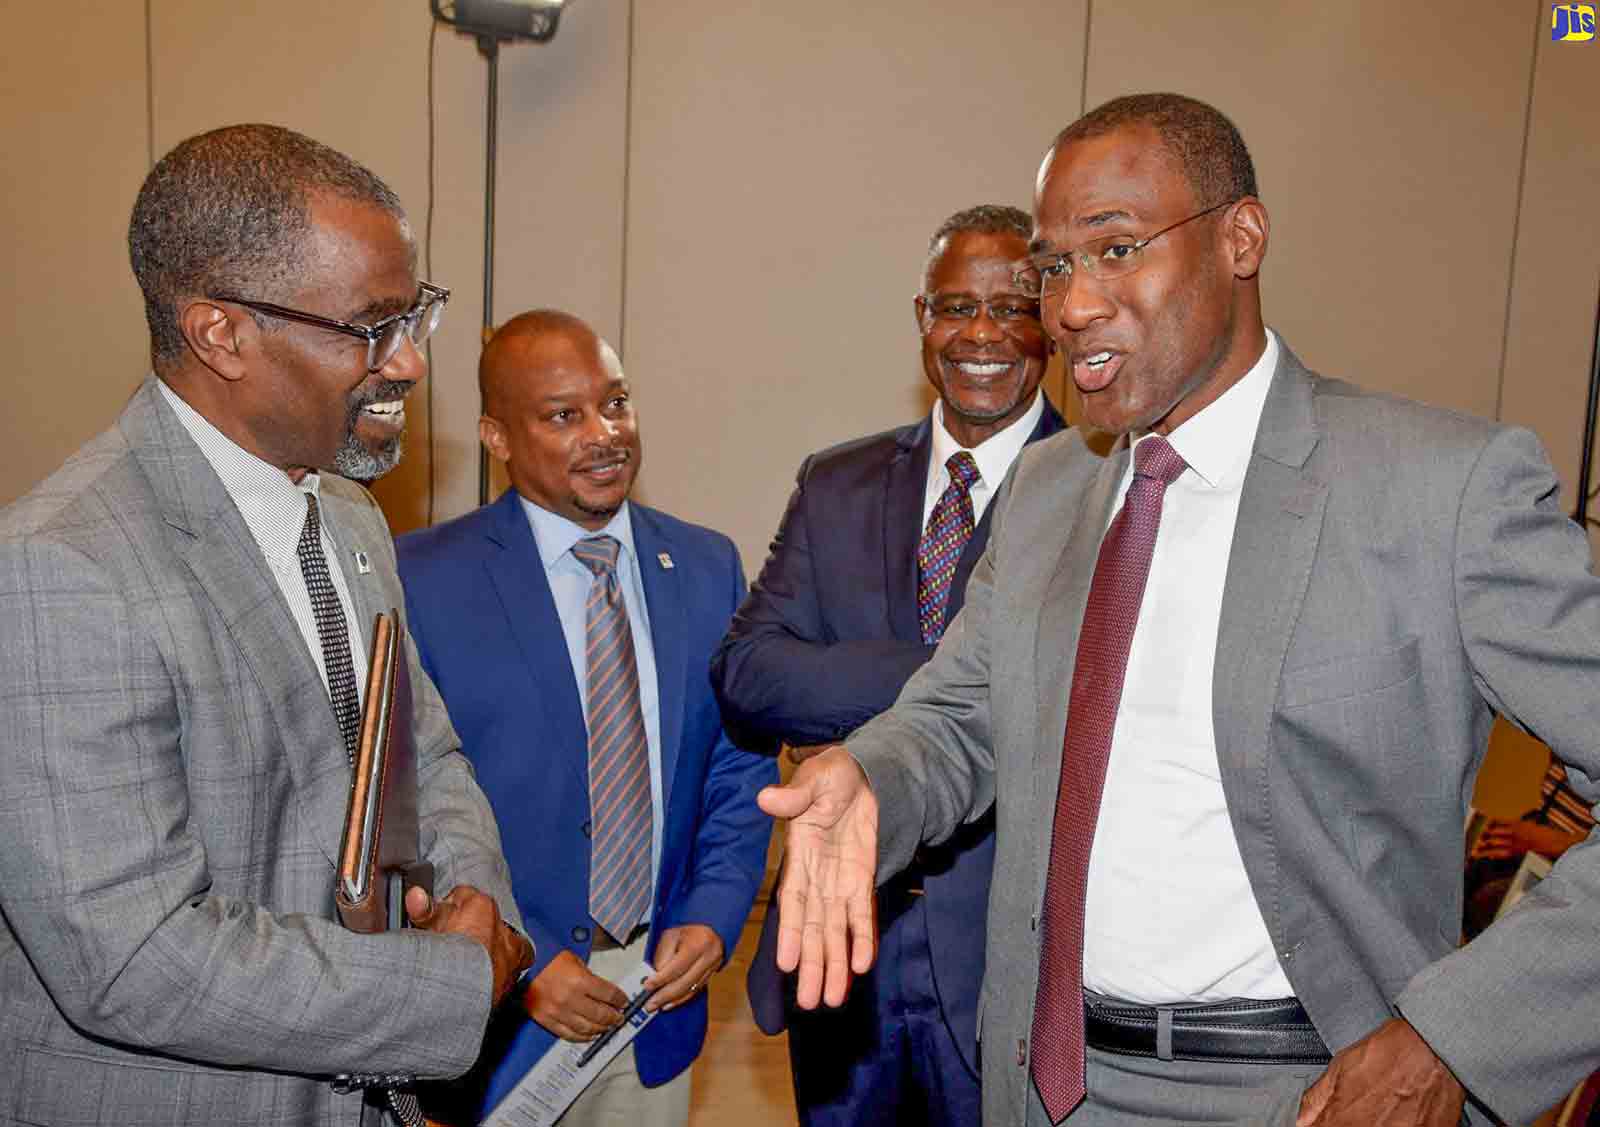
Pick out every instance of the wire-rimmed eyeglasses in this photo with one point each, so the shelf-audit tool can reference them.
(383, 338)
(1112, 256)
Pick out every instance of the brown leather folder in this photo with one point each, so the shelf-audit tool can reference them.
(379, 857)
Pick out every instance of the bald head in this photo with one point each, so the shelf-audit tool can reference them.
(558, 413)
(529, 343)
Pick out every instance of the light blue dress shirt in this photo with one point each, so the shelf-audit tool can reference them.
(569, 584)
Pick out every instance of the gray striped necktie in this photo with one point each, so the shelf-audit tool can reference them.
(332, 630)
(619, 758)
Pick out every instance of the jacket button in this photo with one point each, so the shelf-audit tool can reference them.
(588, 830)
(580, 935)
(1033, 923)
(1022, 1052)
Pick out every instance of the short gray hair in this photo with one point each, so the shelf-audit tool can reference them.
(986, 219)
(227, 212)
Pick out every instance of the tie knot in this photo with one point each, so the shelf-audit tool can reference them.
(597, 553)
(1155, 458)
(963, 468)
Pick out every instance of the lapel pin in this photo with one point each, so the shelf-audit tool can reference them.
(363, 564)
(666, 561)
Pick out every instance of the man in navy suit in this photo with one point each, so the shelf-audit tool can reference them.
(867, 567)
(628, 817)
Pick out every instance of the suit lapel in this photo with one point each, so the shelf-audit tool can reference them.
(1274, 547)
(212, 539)
(1049, 423)
(664, 602)
(1060, 619)
(904, 488)
(511, 558)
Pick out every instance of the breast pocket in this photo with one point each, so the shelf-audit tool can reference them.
(1360, 719)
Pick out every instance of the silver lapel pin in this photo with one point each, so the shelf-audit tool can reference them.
(363, 564)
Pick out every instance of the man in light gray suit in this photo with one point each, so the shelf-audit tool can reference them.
(174, 768)
(1253, 664)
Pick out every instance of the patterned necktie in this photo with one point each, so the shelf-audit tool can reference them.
(949, 528)
(1103, 642)
(332, 630)
(619, 758)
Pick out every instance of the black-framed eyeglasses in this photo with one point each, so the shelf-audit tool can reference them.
(1112, 256)
(383, 338)
(1006, 310)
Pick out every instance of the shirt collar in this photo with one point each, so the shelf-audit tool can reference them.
(555, 534)
(273, 507)
(1209, 442)
(994, 454)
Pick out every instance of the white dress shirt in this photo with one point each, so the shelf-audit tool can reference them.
(274, 510)
(1169, 915)
(993, 455)
(570, 581)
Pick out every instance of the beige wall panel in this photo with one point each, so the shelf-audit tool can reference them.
(1550, 340)
(788, 164)
(72, 114)
(1387, 139)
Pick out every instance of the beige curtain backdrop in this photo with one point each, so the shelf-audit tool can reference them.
(739, 197)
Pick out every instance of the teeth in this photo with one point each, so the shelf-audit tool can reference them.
(973, 369)
(1098, 359)
(393, 407)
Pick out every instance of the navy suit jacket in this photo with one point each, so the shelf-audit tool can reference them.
(825, 641)
(486, 628)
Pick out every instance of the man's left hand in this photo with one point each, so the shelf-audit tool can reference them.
(686, 958)
(1389, 1078)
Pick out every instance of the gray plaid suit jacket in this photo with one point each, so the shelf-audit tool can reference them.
(1398, 575)
(172, 787)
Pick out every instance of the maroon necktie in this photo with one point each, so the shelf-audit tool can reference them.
(1103, 642)
(950, 526)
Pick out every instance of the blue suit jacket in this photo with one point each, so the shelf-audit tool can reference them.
(825, 642)
(486, 628)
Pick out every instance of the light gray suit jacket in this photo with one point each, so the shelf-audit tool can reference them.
(1398, 575)
(172, 788)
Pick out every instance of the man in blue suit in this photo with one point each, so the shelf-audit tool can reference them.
(868, 566)
(570, 633)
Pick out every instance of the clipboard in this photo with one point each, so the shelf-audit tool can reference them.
(379, 855)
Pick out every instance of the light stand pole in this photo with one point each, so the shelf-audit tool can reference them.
(491, 23)
(1581, 513)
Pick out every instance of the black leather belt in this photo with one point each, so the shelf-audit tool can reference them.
(1261, 1032)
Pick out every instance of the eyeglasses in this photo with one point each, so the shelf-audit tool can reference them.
(384, 338)
(1113, 256)
(1006, 310)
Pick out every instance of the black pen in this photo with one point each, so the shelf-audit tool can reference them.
(635, 1004)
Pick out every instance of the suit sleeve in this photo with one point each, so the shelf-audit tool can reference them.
(106, 885)
(930, 758)
(778, 674)
(1513, 1012)
(730, 849)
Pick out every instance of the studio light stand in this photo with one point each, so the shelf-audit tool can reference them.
(491, 23)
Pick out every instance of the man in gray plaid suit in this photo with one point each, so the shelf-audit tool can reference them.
(178, 603)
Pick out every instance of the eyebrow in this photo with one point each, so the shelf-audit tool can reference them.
(1098, 219)
(377, 310)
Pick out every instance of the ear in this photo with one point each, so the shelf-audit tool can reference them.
(920, 305)
(492, 433)
(214, 337)
(1247, 230)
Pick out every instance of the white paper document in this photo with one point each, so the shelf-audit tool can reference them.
(550, 1086)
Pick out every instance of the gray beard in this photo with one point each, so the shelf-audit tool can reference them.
(357, 461)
